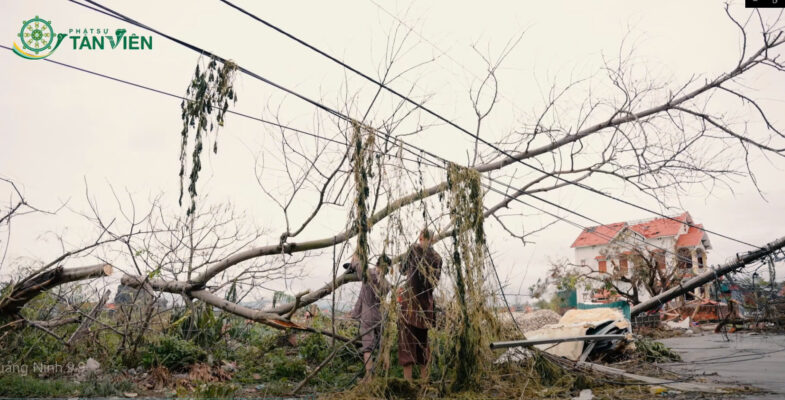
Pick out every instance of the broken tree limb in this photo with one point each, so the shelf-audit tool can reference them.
(33, 286)
(85, 325)
(180, 287)
(297, 298)
(317, 294)
(532, 342)
(58, 322)
(708, 276)
(46, 330)
(263, 317)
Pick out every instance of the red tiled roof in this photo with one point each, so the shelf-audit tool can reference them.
(598, 234)
(653, 228)
(661, 226)
(693, 237)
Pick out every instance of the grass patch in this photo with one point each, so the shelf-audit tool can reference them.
(29, 386)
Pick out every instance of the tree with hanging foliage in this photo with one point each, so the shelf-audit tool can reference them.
(656, 138)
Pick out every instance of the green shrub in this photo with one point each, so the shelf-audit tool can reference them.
(314, 348)
(198, 324)
(284, 366)
(173, 353)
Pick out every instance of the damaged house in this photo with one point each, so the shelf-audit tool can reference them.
(635, 260)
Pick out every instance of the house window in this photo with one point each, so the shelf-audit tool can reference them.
(602, 265)
(700, 256)
(685, 258)
(623, 268)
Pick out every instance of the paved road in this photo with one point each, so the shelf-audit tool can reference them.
(756, 360)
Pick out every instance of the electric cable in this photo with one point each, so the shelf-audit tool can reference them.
(117, 15)
(462, 129)
(388, 138)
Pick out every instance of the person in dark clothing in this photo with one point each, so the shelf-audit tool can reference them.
(422, 268)
(367, 309)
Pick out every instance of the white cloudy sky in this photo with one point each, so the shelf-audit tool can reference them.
(61, 128)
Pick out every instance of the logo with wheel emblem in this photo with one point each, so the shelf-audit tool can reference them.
(38, 39)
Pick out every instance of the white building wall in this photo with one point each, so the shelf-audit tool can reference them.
(588, 256)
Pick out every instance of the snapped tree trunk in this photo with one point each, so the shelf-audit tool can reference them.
(33, 286)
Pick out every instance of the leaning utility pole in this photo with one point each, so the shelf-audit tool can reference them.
(708, 276)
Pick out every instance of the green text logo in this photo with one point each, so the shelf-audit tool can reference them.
(39, 39)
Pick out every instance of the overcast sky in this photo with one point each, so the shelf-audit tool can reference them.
(61, 128)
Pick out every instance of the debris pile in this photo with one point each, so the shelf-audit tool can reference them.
(536, 319)
(577, 335)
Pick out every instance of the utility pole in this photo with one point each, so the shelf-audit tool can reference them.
(708, 276)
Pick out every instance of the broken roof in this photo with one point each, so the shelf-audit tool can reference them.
(652, 228)
(662, 226)
(598, 234)
(693, 237)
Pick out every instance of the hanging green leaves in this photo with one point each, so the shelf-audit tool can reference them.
(468, 240)
(209, 92)
(362, 163)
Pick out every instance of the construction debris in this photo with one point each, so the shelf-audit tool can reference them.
(577, 334)
(536, 319)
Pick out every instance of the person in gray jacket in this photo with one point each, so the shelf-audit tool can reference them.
(368, 307)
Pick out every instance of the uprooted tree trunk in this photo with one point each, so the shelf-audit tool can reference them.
(32, 286)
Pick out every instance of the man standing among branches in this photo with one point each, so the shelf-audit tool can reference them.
(368, 306)
(422, 268)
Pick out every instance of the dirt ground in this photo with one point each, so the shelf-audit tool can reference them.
(745, 359)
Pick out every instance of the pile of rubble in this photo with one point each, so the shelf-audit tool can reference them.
(536, 319)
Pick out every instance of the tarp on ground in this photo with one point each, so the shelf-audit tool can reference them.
(576, 323)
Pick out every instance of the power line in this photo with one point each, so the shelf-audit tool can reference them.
(165, 93)
(124, 18)
(388, 138)
(464, 130)
(114, 14)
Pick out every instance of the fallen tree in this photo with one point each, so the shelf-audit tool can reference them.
(655, 137)
(19, 294)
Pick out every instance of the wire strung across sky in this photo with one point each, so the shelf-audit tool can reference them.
(114, 14)
(417, 152)
(441, 164)
(464, 130)
(409, 148)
